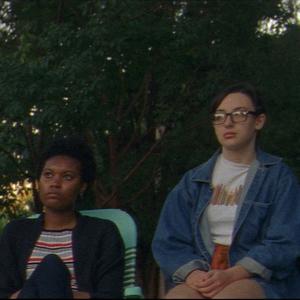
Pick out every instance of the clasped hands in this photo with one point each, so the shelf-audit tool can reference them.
(212, 282)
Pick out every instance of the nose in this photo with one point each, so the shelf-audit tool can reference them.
(56, 181)
(228, 121)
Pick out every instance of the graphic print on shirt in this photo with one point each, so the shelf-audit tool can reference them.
(228, 182)
(224, 196)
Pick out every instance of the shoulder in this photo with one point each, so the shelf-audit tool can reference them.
(20, 224)
(93, 224)
(276, 167)
(268, 160)
(93, 230)
(19, 228)
(94, 221)
(201, 173)
(192, 183)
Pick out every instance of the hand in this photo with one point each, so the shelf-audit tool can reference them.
(15, 295)
(219, 279)
(81, 295)
(215, 282)
(195, 278)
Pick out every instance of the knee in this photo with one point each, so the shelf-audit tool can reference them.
(182, 291)
(53, 264)
(52, 259)
(241, 289)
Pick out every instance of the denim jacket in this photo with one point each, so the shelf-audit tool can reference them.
(266, 236)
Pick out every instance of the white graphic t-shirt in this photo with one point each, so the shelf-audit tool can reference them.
(228, 182)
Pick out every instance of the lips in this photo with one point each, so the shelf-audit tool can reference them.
(52, 195)
(229, 135)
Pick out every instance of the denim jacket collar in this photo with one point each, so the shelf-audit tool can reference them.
(204, 173)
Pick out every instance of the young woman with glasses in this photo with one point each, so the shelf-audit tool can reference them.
(229, 228)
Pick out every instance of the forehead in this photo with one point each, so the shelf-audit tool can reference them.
(62, 163)
(236, 100)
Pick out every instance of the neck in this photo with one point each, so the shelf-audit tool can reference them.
(241, 156)
(54, 220)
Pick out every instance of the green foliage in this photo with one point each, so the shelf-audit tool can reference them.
(115, 71)
(3, 222)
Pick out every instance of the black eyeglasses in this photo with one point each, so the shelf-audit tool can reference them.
(236, 116)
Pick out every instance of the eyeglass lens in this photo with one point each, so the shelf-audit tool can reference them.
(235, 116)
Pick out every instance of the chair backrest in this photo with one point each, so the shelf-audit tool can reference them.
(128, 232)
(122, 219)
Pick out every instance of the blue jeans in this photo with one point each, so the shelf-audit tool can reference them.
(51, 279)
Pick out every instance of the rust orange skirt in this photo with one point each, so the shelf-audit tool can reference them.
(220, 259)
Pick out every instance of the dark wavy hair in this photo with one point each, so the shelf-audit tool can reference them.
(244, 88)
(76, 148)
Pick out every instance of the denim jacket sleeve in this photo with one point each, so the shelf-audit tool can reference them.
(173, 245)
(275, 254)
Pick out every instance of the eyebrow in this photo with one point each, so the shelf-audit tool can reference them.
(63, 171)
(236, 108)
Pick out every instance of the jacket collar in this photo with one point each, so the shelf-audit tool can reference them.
(266, 159)
(204, 172)
(41, 218)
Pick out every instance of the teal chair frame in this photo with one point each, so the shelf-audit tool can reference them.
(128, 232)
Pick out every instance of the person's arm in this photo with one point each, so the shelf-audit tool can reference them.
(196, 279)
(212, 282)
(8, 264)
(173, 245)
(81, 295)
(276, 254)
(109, 265)
(15, 295)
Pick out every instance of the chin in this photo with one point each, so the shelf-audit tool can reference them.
(236, 147)
(231, 146)
(59, 209)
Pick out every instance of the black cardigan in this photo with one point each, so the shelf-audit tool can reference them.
(97, 248)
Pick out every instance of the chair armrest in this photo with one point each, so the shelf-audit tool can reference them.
(133, 292)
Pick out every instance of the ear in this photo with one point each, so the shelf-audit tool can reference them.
(83, 188)
(37, 184)
(260, 121)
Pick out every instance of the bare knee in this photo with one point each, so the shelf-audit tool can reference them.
(182, 291)
(242, 289)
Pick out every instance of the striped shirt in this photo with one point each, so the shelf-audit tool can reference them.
(57, 242)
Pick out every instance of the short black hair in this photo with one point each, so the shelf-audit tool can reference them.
(245, 88)
(75, 147)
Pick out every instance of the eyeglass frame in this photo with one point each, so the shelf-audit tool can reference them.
(244, 112)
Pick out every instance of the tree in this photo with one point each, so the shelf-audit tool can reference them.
(135, 78)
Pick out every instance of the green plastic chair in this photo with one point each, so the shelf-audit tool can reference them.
(128, 232)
